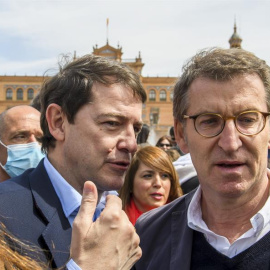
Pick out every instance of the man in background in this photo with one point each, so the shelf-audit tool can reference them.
(19, 148)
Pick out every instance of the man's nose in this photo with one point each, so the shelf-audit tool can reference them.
(229, 138)
(32, 138)
(128, 141)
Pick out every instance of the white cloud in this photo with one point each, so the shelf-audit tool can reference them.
(166, 32)
(37, 67)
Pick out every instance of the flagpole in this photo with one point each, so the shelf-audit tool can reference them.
(107, 22)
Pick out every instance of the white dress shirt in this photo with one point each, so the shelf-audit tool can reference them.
(260, 227)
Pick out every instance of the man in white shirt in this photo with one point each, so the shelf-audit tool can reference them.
(90, 116)
(221, 109)
(187, 174)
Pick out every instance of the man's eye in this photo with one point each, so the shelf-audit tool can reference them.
(112, 123)
(20, 136)
(246, 120)
(137, 130)
(209, 121)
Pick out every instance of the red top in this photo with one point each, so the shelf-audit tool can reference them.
(133, 212)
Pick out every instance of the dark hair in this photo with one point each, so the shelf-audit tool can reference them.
(143, 135)
(71, 87)
(219, 65)
(165, 137)
(171, 132)
(158, 160)
(36, 102)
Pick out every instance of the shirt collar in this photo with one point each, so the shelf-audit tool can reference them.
(262, 218)
(195, 221)
(69, 197)
(194, 214)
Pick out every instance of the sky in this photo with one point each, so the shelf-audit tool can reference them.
(35, 34)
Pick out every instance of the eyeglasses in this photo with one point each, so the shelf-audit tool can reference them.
(212, 124)
(164, 144)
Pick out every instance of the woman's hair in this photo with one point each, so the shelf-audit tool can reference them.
(165, 137)
(158, 160)
(173, 154)
(11, 259)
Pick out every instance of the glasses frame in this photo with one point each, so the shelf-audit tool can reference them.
(194, 117)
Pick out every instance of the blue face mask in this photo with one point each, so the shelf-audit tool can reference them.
(21, 157)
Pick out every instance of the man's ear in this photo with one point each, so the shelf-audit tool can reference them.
(55, 119)
(180, 136)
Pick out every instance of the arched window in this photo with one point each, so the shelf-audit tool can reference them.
(9, 94)
(30, 93)
(162, 95)
(20, 94)
(152, 95)
(171, 95)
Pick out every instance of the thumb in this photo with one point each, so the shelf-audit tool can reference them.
(89, 202)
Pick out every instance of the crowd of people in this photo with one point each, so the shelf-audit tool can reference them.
(199, 198)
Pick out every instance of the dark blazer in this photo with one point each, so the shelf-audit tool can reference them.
(31, 211)
(166, 240)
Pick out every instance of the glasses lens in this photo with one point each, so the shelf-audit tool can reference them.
(250, 123)
(209, 124)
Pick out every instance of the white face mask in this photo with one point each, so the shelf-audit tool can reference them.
(21, 157)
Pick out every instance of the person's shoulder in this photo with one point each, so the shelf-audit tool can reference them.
(164, 212)
(17, 200)
(16, 183)
(22, 182)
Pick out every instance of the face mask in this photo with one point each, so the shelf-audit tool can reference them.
(21, 157)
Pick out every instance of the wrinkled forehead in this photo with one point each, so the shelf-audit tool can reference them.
(243, 92)
(13, 121)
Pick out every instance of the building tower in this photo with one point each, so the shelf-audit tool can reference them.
(235, 40)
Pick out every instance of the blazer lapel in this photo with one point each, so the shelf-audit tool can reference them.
(57, 234)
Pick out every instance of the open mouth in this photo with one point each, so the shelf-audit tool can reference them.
(230, 165)
(156, 195)
(121, 164)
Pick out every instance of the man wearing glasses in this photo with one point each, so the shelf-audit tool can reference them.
(221, 110)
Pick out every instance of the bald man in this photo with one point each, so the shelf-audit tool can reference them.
(19, 149)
